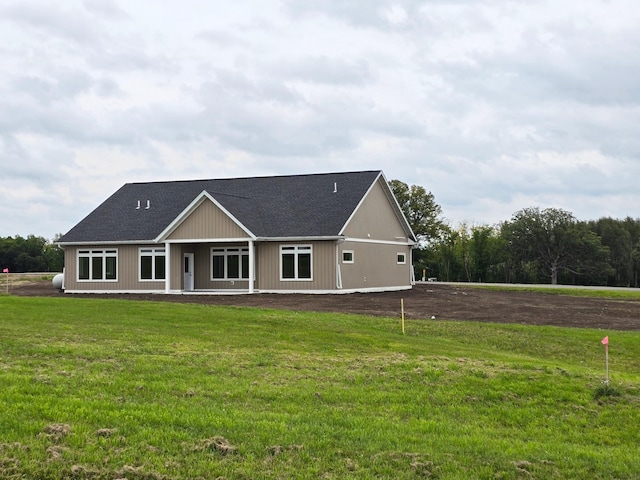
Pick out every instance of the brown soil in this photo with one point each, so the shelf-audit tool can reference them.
(424, 301)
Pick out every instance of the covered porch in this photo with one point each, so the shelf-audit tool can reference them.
(211, 266)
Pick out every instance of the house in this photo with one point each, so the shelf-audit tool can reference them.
(320, 233)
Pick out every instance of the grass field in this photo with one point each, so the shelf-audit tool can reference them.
(139, 390)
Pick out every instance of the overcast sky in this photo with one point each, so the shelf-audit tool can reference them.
(492, 105)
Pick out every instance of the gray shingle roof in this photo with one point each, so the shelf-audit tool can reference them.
(279, 206)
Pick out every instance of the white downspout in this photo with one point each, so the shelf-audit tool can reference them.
(252, 266)
(167, 267)
(413, 273)
(338, 271)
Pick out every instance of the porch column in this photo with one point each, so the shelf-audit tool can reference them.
(167, 267)
(252, 266)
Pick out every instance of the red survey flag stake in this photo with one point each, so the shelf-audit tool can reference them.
(6, 270)
(605, 340)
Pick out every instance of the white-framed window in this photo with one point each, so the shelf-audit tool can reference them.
(151, 264)
(401, 258)
(296, 262)
(98, 265)
(347, 256)
(231, 263)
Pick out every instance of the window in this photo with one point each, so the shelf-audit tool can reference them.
(229, 263)
(401, 258)
(98, 265)
(152, 264)
(296, 262)
(347, 256)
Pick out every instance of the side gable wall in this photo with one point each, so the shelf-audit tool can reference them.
(375, 219)
(375, 237)
(207, 221)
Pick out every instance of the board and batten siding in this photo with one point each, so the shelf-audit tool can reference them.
(375, 218)
(207, 221)
(324, 267)
(127, 265)
(375, 266)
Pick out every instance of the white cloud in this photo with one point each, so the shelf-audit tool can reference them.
(493, 106)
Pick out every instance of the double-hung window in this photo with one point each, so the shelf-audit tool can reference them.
(98, 265)
(296, 262)
(229, 263)
(152, 264)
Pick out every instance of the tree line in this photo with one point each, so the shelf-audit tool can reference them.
(31, 254)
(535, 246)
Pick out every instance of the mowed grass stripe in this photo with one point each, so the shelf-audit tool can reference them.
(119, 389)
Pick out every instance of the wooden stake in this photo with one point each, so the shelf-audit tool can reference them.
(402, 309)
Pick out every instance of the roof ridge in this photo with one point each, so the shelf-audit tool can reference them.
(195, 180)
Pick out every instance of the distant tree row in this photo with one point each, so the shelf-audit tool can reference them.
(535, 246)
(31, 254)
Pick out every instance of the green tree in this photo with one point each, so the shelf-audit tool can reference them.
(555, 241)
(420, 208)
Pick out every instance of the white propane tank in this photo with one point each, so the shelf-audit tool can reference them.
(58, 281)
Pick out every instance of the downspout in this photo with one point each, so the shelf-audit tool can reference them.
(338, 271)
(413, 273)
(167, 267)
(252, 266)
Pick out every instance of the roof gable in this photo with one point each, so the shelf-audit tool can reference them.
(204, 218)
(265, 207)
(378, 216)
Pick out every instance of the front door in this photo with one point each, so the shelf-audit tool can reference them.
(188, 272)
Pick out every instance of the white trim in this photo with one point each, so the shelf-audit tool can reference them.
(114, 291)
(91, 256)
(340, 292)
(410, 243)
(299, 239)
(243, 291)
(99, 243)
(167, 266)
(156, 251)
(252, 266)
(353, 257)
(296, 250)
(230, 250)
(204, 195)
(210, 240)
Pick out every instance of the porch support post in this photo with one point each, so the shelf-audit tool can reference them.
(252, 266)
(167, 267)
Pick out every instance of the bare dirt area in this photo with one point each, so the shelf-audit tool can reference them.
(442, 301)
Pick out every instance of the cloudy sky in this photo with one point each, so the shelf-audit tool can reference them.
(492, 105)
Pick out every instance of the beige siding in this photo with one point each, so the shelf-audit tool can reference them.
(176, 267)
(375, 266)
(324, 267)
(207, 221)
(375, 218)
(127, 270)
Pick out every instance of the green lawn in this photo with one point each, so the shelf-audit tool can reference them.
(140, 390)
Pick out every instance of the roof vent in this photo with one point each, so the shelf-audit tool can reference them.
(148, 205)
(335, 187)
(138, 206)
